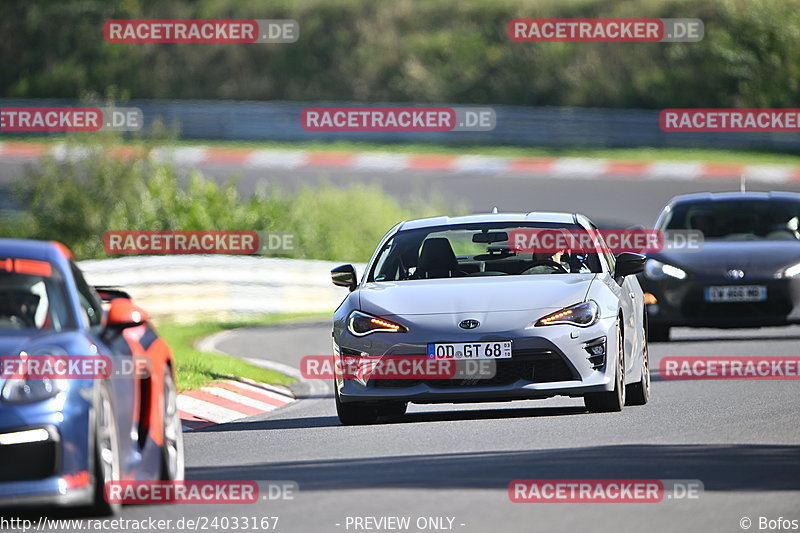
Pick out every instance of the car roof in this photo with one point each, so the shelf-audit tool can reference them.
(728, 196)
(547, 217)
(39, 250)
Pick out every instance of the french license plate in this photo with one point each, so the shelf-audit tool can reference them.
(470, 350)
(736, 293)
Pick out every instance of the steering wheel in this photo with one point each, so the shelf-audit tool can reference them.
(552, 264)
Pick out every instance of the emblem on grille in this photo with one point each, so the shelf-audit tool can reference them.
(735, 273)
(469, 324)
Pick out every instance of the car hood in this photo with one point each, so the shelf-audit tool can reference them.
(762, 258)
(484, 294)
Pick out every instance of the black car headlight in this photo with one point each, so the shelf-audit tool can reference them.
(582, 315)
(792, 271)
(25, 389)
(360, 324)
(656, 270)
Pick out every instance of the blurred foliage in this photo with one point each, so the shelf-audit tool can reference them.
(410, 50)
(98, 185)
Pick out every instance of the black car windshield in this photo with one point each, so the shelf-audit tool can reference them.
(473, 250)
(738, 220)
(31, 296)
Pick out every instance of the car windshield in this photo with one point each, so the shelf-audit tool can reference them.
(31, 296)
(473, 250)
(738, 220)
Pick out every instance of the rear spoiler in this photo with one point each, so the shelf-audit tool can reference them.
(110, 293)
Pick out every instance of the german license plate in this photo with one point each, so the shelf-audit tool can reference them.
(470, 350)
(736, 293)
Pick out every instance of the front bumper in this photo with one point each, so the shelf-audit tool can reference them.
(51, 471)
(546, 361)
(682, 303)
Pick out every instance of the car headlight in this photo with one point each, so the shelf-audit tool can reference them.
(24, 389)
(657, 270)
(790, 272)
(582, 315)
(360, 324)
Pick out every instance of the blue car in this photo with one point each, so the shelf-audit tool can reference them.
(63, 439)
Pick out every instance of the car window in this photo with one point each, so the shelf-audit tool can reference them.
(738, 220)
(32, 298)
(473, 250)
(90, 303)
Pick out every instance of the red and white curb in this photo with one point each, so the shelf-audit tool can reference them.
(229, 400)
(559, 167)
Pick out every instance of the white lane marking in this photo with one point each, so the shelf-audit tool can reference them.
(772, 173)
(239, 398)
(207, 410)
(277, 158)
(674, 170)
(182, 155)
(380, 161)
(267, 393)
(481, 163)
(578, 167)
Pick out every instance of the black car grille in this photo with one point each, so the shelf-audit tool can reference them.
(29, 461)
(774, 306)
(534, 366)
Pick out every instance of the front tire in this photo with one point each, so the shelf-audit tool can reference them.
(354, 414)
(172, 462)
(106, 453)
(614, 400)
(639, 393)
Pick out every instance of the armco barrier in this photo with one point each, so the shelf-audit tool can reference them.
(521, 126)
(192, 287)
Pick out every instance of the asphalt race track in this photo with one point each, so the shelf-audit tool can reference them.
(741, 439)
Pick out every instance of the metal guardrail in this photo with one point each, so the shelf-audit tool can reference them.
(522, 126)
(193, 287)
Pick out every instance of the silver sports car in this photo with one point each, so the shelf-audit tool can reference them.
(565, 323)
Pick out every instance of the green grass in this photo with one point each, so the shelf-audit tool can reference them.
(633, 154)
(196, 368)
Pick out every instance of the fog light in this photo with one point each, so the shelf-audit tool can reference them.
(597, 352)
(650, 298)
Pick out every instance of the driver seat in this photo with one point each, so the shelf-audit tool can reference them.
(437, 260)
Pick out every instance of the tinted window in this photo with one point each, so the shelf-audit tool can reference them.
(32, 300)
(746, 219)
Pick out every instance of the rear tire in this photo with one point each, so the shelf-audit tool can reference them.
(614, 400)
(356, 413)
(639, 393)
(658, 333)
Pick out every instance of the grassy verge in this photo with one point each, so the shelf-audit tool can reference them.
(633, 154)
(196, 368)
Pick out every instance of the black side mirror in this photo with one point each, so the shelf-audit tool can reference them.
(344, 276)
(629, 263)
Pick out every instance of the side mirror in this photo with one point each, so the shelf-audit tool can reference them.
(123, 314)
(344, 276)
(629, 263)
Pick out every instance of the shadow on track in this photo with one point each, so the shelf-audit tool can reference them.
(743, 467)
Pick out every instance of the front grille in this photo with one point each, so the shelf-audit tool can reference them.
(773, 307)
(28, 461)
(534, 366)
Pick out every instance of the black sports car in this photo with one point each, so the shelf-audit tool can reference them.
(746, 274)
